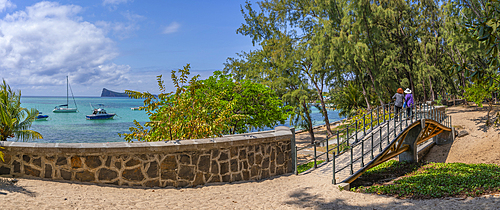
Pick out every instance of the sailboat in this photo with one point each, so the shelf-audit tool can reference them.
(65, 108)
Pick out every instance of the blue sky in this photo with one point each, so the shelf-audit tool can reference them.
(113, 44)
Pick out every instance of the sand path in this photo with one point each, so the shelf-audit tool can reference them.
(308, 191)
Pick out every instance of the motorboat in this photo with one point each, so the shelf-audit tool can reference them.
(135, 108)
(65, 108)
(100, 114)
(41, 117)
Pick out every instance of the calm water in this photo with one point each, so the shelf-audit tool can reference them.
(74, 128)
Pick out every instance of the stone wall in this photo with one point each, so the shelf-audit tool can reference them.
(251, 156)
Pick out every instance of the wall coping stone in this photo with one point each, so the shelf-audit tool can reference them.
(280, 133)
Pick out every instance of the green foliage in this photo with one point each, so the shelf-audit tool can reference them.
(307, 166)
(436, 180)
(348, 100)
(14, 119)
(206, 108)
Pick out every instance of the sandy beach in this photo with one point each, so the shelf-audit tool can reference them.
(308, 191)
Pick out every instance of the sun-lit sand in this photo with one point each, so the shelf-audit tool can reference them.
(310, 191)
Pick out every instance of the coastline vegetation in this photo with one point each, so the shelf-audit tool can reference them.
(15, 120)
(206, 108)
(433, 180)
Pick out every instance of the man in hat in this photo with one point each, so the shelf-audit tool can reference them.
(409, 102)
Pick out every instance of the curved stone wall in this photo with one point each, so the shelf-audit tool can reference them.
(250, 156)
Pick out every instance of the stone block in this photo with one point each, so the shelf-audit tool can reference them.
(243, 154)
(37, 162)
(185, 159)
(48, 171)
(66, 175)
(215, 153)
(186, 172)
(105, 174)
(280, 170)
(234, 165)
(61, 161)
(198, 180)
(152, 183)
(169, 174)
(134, 174)
(265, 162)
(223, 156)
(169, 163)
(26, 158)
(132, 162)
(76, 162)
(246, 175)
(6, 159)
(258, 159)
(17, 166)
(118, 164)
(93, 161)
(272, 168)
(224, 168)
(265, 174)
(85, 176)
(251, 158)
(4, 170)
(226, 178)
(254, 172)
(215, 178)
(152, 171)
(31, 171)
(214, 169)
(108, 161)
(233, 152)
(236, 177)
(182, 184)
(280, 158)
(204, 163)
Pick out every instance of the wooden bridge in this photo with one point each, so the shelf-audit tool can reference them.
(377, 137)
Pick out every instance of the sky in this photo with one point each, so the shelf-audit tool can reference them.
(114, 44)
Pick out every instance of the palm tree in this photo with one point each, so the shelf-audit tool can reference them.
(14, 119)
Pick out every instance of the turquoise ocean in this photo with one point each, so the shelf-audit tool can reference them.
(74, 128)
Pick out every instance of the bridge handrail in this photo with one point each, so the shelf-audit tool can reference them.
(383, 115)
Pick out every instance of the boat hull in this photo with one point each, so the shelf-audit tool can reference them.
(100, 117)
(65, 110)
(42, 117)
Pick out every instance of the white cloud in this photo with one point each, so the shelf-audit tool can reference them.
(113, 2)
(122, 30)
(172, 28)
(47, 41)
(4, 4)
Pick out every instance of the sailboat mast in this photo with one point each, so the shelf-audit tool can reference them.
(67, 94)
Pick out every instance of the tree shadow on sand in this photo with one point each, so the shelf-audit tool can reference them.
(300, 198)
(11, 186)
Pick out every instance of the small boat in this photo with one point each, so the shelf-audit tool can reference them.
(100, 114)
(65, 108)
(135, 108)
(41, 117)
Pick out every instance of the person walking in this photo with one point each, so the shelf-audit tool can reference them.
(409, 103)
(398, 104)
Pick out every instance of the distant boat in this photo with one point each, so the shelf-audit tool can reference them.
(65, 108)
(135, 108)
(41, 117)
(99, 114)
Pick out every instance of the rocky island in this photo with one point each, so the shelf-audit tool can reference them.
(109, 93)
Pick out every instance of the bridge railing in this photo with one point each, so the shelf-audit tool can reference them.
(369, 133)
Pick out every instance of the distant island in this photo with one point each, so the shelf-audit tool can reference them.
(109, 93)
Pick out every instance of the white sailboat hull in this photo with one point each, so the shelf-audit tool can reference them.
(64, 110)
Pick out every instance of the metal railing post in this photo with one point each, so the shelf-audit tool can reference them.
(371, 120)
(327, 155)
(363, 152)
(380, 139)
(338, 144)
(388, 132)
(315, 157)
(364, 127)
(334, 181)
(352, 171)
(372, 147)
(347, 131)
(356, 130)
(294, 151)
(383, 111)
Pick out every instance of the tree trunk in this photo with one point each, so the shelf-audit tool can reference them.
(423, 88)
(365, 96)
(309, 122)
(432, 90)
